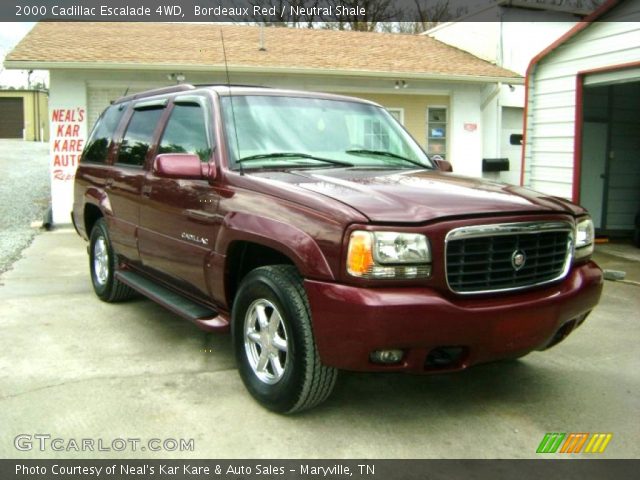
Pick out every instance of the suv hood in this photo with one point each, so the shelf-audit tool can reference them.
(418, 195)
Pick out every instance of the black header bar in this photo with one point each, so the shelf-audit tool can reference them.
(298, 12)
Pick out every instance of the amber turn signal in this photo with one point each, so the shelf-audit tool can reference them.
(360, 253)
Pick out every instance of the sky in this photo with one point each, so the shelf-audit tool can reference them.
(10, 34)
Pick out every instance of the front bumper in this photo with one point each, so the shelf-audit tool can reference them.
(349, 323)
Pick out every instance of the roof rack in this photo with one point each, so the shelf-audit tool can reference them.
(246, 85)
(157, 91)
(182, 87)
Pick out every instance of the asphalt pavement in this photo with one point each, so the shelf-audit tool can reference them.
(24, 195)
(74, 368)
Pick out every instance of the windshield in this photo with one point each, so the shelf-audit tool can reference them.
(300, 132)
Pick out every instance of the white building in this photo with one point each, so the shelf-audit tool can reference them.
(508, 33)
(435, 90)
(582, 131)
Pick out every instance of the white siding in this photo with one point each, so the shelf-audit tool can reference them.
(552, 96)
(100, 98)
(478, 38)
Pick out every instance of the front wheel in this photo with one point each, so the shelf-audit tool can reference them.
(273, 341)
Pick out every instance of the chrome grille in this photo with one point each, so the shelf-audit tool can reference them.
(492, 258)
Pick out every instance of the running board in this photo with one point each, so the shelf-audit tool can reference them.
(204, 317)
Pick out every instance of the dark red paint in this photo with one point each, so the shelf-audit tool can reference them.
(307, 216)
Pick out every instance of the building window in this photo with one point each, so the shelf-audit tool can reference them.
(375, 136)
(397, 113)
(437, 131)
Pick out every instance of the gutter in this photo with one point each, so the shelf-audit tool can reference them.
(44, 65)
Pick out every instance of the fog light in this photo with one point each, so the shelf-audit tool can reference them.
(387, 356)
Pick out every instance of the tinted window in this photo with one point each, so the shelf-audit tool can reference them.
(138, 136)
(102, 134)
(186, 132)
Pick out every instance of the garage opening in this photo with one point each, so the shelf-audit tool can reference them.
(11, 117)
(610, 154)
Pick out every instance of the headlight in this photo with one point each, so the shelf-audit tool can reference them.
(388, 255)
(585, 236)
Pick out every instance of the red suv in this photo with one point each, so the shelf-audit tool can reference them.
(317, 231)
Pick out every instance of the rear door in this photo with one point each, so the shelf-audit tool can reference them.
(178, 221)
(128, 173)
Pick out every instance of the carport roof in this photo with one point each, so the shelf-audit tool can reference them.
(53, 45)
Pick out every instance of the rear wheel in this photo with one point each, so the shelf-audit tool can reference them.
(273, 341)
(102, 264)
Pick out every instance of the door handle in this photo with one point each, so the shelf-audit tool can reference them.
(203, 217)
(146, 190)
(108, 182)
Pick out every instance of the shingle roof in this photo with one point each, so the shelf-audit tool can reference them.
(198, 45)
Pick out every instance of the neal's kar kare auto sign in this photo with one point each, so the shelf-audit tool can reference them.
(67, 142)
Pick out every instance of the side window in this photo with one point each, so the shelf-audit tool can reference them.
(98, 145)
(186, 132)
(137, 139)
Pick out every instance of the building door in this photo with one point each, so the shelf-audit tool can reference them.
(511, 142)
(11, 117)
(594, 163)
(610, 165)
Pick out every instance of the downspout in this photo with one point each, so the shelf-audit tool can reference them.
(498, 134)
(525, 123)
(33, 120)
(38, 123)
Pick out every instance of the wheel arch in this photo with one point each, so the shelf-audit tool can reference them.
(250, 242)
(96, 205)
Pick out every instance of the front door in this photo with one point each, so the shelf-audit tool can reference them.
(178, 225)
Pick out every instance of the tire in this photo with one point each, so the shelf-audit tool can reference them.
(102, 265)
(280, 366)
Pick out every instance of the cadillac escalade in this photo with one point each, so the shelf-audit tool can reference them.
(316, 231)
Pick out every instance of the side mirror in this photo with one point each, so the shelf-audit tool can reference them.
(209, 171)
(178, 165)
(442, 164)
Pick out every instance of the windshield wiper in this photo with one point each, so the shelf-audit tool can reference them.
(306, 156)
(364, 151)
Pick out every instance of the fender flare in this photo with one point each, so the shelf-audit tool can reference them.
(100, 199)
(287, 239)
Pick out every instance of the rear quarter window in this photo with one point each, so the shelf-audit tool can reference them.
(102, 134)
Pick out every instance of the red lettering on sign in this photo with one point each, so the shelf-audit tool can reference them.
(67, 143)
(61, 175)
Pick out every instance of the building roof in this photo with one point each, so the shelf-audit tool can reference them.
(128, 45)
(603, 9)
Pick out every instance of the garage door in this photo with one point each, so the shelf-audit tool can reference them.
(11, 117)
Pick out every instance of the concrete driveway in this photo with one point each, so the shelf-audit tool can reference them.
(75, 368)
